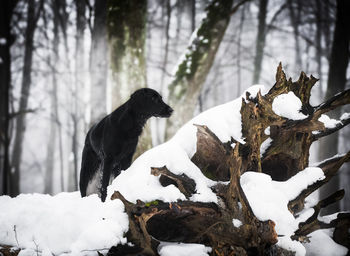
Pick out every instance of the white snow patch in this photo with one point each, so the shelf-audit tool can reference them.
(65, 223)
(3, 41)
(237, 223)
(265, 145)
(328, 122)
(182, 249)
(321, 244)
(267, 131)
(288, 105)
(345, 116)
(269, 200)
(328, 218)
(290, 245)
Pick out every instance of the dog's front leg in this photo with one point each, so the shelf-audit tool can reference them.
(107, 170)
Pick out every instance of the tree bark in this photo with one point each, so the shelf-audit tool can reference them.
(196, 63)
(7, 39)
(99, 62)
(260, 40)
(126, 28)
(294, 12)
(338, 64)
(32, 18)
(77, 115)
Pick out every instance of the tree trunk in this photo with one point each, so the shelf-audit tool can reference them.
(159, 132)
(294, 13)
(32, 18)
(6, 40)
(51, 145)
(318, 40)
(260, 40)
(196, 62)
(126, 25)
(239, 41)
(338, 64)
(99, 62)
(77, 115)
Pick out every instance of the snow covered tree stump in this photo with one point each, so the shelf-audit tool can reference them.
(277, 141)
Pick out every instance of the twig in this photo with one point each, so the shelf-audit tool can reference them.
(14, 229)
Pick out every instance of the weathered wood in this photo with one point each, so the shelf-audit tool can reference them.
(211, 155)
(186, 185)
(210, 223)
(9, 250)
(330, 168)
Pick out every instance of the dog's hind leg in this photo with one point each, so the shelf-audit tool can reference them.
(109, 164)
(90, 166)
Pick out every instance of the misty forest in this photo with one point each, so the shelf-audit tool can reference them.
(66, 64)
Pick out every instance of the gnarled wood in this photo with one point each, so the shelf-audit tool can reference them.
(210, 223)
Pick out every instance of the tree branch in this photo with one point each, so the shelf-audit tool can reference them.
(330, 168)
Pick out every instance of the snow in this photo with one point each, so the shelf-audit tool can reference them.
(237, 223)
(345, 116)
(29, 220)
(182, 249)
(2, 41)
(322, 245)
(223, 120)
(269, 200)
(328, 122)
(65, 223)
(264, 146)
(288, 105)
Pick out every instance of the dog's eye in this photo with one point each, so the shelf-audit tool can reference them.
(155, 98)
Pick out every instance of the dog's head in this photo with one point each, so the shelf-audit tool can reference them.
(150, 103)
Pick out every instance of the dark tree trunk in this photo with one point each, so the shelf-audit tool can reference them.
(7, 39)
(318, 39)
(260, 40)
(338, 64)
(32, 18)
(99, 62)
(295, 15)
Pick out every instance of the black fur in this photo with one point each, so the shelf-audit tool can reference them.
(111, 143)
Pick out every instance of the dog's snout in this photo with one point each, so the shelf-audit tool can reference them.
(170, 110)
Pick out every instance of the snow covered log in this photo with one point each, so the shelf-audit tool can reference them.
(278, 129)
(235, 180)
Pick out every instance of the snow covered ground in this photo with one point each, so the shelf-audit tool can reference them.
(68, 224)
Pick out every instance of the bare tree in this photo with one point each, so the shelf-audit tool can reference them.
(6, 40)
(196, 62)
(33, 13)
(77, 113)
(295, 18)
(338, 65)
(260, 40)
(99, 61)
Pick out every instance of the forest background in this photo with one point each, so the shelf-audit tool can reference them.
(64, 64)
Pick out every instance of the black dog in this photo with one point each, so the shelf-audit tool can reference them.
(111, 143)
